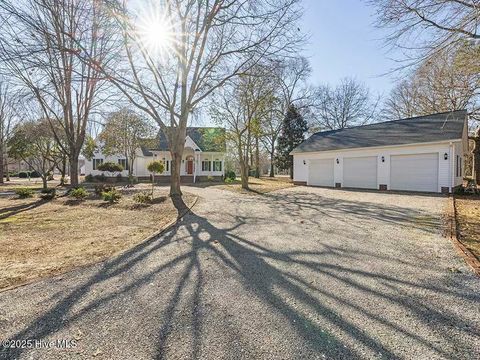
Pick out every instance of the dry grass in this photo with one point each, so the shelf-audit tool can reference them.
(260, 186)
(33, 183)
(40, 238)
(468, 216)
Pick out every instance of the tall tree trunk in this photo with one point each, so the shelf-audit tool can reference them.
(476, 158)
(243, 164)
(63, 170)
(257, 157)
(244, 169)
(175, 174)
(291, 167)
(2, 164)
(44, 181)
(272, 161)
(74, 171)
(177, 145)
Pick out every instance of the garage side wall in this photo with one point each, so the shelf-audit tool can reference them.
(446, 174)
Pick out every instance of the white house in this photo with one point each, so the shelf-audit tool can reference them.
(203, 157)
(423, 153)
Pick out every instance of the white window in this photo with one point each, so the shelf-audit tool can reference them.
(217, 165)
(206, 165)
(96, 163)
(124, 163)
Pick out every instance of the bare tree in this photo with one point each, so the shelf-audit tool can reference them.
(124, 133)
(179, 52)
(421, 28)
(239, 107)
(41, 45)
(34, 143)
(289, 79)
(348, 104)
(437, 85)
(7, 115)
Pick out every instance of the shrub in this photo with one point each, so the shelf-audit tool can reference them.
(100, 178)
(35, 174)
(23, 174)
(119, 178)
(230, 175)
(24, 193)
(48, 194)
(111, 196)
(79, 193)
(101, 188)
(229, 181)
(210, 178)
(89, 178)
(142, 198)
(110, 166)
(460, 190)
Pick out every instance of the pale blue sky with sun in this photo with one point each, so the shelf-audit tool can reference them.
(344, 42)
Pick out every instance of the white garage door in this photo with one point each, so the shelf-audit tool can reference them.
(417, 172)
(360, 172)
(320, 172)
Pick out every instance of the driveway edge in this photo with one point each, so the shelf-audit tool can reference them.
(167, 227)
(467, 255)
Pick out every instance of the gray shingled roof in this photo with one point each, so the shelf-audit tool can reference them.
(430, 128)
(208, 139)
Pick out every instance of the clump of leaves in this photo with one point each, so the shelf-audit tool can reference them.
(48, 194)
(229, 181)
(79, 193)
(101, 188)
(111, 196)
(110, 166)
(142, 197)
(230, 175)
(24, 193)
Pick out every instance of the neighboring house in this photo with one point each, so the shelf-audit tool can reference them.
(424, 153)
(203, 157)
(16, 166)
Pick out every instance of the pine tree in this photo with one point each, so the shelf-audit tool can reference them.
(292, 134)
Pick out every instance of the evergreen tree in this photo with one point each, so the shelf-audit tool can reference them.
(292, 134)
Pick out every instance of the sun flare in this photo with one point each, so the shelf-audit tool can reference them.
(156, 32)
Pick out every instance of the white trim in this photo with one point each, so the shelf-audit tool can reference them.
(443, 142)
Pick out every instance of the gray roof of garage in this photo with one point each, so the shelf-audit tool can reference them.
(430, 128)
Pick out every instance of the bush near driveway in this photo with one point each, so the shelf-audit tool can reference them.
(79, 193)
(24, 193)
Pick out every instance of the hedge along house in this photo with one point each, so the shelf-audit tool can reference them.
(424, 153)
(203, 157)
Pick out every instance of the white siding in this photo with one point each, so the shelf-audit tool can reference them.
(446, 169)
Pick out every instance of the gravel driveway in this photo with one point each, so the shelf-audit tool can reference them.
(299, 273)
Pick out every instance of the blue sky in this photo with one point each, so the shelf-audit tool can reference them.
(344, 42)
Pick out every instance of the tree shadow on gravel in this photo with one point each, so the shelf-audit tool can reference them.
(279, 280)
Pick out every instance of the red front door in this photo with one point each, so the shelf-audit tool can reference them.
(190, 167)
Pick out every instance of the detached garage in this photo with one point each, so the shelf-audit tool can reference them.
(416, 154)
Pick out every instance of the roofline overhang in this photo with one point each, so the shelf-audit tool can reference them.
(447, 142)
